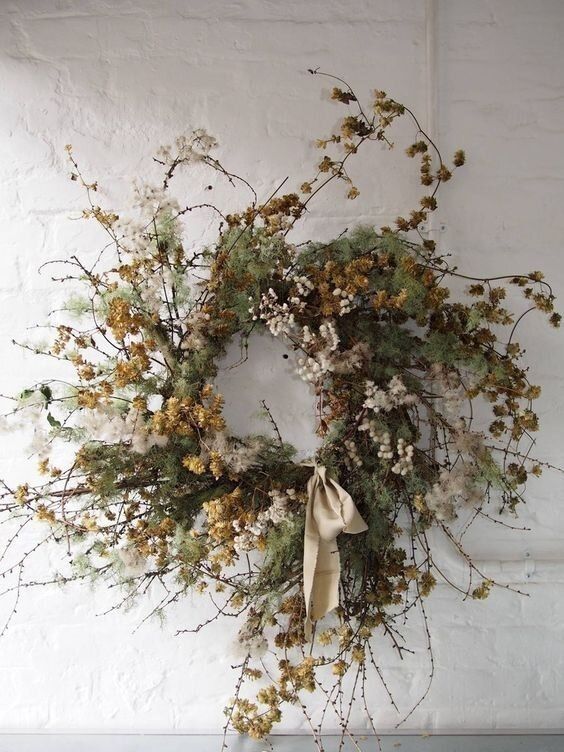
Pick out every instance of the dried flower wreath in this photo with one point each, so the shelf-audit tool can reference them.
(158, 491)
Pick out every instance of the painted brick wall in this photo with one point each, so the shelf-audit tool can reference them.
(116, 79)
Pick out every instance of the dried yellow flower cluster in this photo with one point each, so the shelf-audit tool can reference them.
(185, 416)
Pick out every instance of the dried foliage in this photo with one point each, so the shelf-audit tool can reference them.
(159, 492)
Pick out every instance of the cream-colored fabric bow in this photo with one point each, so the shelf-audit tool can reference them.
(330, 511)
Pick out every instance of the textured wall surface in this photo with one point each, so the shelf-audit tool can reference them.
(118, 78)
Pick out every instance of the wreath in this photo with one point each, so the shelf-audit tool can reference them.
(315, 557)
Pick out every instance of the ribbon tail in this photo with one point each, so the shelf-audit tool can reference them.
(330, 510)
(325, 593)
(311, 549)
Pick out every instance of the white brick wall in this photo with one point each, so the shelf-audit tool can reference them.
(117, 79)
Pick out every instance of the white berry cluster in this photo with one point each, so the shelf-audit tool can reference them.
(387, 399)
(329, 334)
(303, 286)
(278, 510)
(307, 336)
(309, 369)
(382, 438)
(404, 451)
(346, 303)
(276, 513)
(278, 316)
(371, 427)
(352, 453)
(312, 367)
(405, 458)
(385, 451)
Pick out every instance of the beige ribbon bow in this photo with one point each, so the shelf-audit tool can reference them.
(330, 511)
